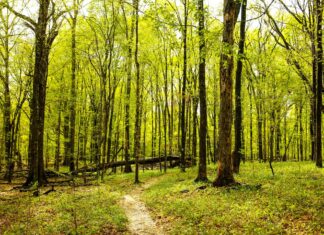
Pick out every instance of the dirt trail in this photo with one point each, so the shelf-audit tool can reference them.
(140, 221)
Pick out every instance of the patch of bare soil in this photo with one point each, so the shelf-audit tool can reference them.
(140, 220)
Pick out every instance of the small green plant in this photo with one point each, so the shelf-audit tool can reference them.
(290, 202)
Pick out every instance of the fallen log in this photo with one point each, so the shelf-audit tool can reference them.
(55, 174)
(123, 163)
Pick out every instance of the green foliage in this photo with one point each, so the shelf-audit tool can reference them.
(290, 202)
(86, 210)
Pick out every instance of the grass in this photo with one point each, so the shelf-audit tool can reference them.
(80, 210)
(291, 202)
(83, 210)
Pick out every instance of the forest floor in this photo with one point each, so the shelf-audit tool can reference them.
(140, 220)
(291, 202)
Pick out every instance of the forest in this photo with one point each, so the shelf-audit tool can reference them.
(161, 117)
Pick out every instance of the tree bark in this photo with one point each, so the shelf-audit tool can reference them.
(43, 42)
(7, 100)
(238, 149)
(202, 168)
(301, 132)
(129, 38)
(66, 128)
(225, 174)
(260, 141)
(251, 121)
(58, 141)
(184, 90)
(73, 86)
(319, 56)
(165, 111)
(137, 133)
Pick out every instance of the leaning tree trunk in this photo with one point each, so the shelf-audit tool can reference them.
(225, 174)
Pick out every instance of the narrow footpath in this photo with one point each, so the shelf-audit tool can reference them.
(140, 220)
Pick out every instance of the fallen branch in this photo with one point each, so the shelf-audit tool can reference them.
(123, 163)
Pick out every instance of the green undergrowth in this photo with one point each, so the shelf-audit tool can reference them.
(91, 209)
(291, 202)
(68, 210)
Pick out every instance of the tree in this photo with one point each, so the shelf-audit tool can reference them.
(73, 24)
(46, 30)
(225, 173)
(319, 78)
(307, 22)
(202, 169)
(44, 39)
(184, 90)
(238, 149)
(138, 115)
(5, 57)
(129, 33)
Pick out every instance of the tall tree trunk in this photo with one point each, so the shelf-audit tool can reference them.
(251, 123)
(160, 132)
(215, 142)
(153, 125)
(278, 135)
(129, 38)
(144, 137)
(184, 90)
(95, 131)
(7, 102)
(16, 143)
(66, 128)
(171, 126)
(238, 149)
(202, 168)
(165, 106)
(301, 132)
(188, 125)
(137, 133)
(319, 57)
(110, 129)
(225, 173)
(58, 141)
(106, 116)
(263, 114)
(284, 158)
(313, 100)
(195, 101)
(260, 142)
(43, 43)
(73, 86)
(271, 138)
